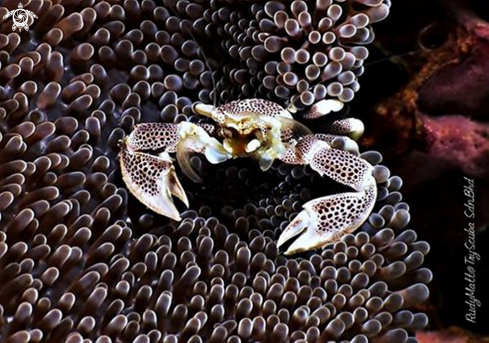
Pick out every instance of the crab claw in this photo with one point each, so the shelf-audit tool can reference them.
(327, 219)
(323, 107)
(152, 179)
(195, 139)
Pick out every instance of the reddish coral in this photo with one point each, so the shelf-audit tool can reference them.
(449, 80)
(459, 141)
(451, 335)
(435, 121)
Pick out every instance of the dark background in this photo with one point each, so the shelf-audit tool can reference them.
(425, 99)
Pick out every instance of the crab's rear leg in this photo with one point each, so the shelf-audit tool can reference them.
(345, 132)
(326, 219)
(152, 178)
(349, 130)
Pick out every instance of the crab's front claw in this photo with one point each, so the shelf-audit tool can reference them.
(194, 138)
(303, 222)
(152, 179)
(327, 219)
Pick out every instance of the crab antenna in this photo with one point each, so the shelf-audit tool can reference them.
(388, 58)
(214, 100)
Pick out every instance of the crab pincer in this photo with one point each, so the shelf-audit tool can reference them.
(326, 219)
(152, 178)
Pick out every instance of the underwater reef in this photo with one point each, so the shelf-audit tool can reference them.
(81, 258)
(429, 117)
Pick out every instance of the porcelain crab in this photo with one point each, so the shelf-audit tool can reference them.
(264, 131)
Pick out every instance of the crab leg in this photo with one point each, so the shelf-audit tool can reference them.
(326, 219)
(152, 179)
(350, 127)
(156, 136)
(322, 108)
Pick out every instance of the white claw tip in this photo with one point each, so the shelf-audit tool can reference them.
(216, 153)
(296, 227)
(203, 109)
(252, 145)
(329, 105)
(357, 128)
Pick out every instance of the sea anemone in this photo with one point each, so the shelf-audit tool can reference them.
(80, 258)
(301, 51)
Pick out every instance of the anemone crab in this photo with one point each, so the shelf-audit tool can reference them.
(264, 131)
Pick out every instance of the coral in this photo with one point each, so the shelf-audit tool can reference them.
(446, 82)
(431, 123)
(459, 141)
(80, 258)
(450, 335)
